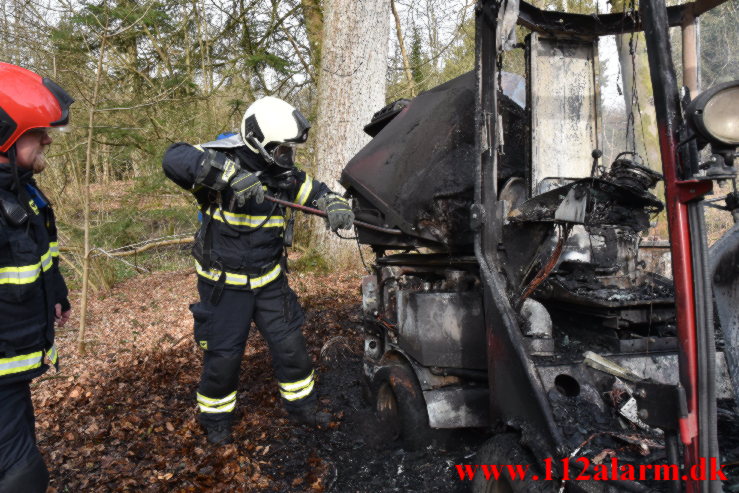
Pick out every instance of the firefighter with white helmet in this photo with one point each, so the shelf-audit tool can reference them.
(239, 255)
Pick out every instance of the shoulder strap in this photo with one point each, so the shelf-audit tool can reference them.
(37, 196)
(206, 235)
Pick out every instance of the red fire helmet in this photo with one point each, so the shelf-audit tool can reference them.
(28, 101)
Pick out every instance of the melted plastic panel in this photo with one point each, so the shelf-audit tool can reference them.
(564, 99)
(443, 329)
(418, 172)
(724, 258)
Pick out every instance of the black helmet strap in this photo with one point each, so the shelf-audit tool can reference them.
(20, 190)
(254, 141)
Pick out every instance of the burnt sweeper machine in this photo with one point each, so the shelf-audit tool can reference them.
(513, 288)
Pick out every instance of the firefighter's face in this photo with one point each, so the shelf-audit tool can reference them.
(30, 148)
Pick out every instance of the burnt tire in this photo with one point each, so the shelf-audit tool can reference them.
(505, 449)
(400, 406)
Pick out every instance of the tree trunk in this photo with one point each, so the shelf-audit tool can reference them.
(403, 53)
(106, 163)
(313, 16)
(641, 132)
(351, 88)
(86, 200)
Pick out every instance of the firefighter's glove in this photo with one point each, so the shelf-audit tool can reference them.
(246, 185)
(338, 213)
(215, 170)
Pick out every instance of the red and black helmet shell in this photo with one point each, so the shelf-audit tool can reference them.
(29, 101)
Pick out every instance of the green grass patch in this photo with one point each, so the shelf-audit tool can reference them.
(167, 259)
(126, 226)
(311, 261)
(107, 271)
(153, 184)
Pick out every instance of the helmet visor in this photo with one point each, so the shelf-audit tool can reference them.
(284, 155)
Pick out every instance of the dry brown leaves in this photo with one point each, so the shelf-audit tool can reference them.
(122, 417)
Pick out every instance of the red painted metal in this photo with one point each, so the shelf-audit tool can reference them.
(682, 274)
(689, 190)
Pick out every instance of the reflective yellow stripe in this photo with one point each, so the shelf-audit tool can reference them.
(216, 402)
(223, 405)
(227, 408)
(229, 169)
(24, 268)
(339, 201)
(293, 396)
(292, 386)
(19, 364)
(297, 390)
(240, 279)
(51, 353)
(26, 274)
(247, 220)
(54, 248)
(305, 190)
(199, 147)
(46, 262)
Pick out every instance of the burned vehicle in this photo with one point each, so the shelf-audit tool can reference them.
(510, 288)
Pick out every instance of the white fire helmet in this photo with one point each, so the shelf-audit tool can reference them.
(272, 127)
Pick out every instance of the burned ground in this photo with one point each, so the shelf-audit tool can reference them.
(123, 416)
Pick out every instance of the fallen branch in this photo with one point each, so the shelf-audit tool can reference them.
(135, 267)
(38, 381)
(135, 248)
(149, 246)
(77, 271)
(179, 341)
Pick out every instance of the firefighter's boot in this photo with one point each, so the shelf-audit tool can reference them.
(309, 415)
(219, 432)
(32, 477)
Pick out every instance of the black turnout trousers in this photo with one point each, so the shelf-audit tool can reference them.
(222, 329)
(22, 469)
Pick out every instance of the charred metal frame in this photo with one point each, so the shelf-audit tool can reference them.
(551, 22)
(510, 371)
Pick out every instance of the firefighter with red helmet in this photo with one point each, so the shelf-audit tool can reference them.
(33, 295)
(239, 254)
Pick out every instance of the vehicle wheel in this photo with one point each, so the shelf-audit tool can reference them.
(505, 449)
(401, 407)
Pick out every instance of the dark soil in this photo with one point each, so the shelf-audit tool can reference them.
(728, 441)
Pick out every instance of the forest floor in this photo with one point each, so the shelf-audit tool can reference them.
(122, 417)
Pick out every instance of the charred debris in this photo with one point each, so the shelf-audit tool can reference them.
(597, 327)
(418, 176)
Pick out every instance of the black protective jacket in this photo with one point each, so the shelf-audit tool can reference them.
(240, 247)
(30, 281)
